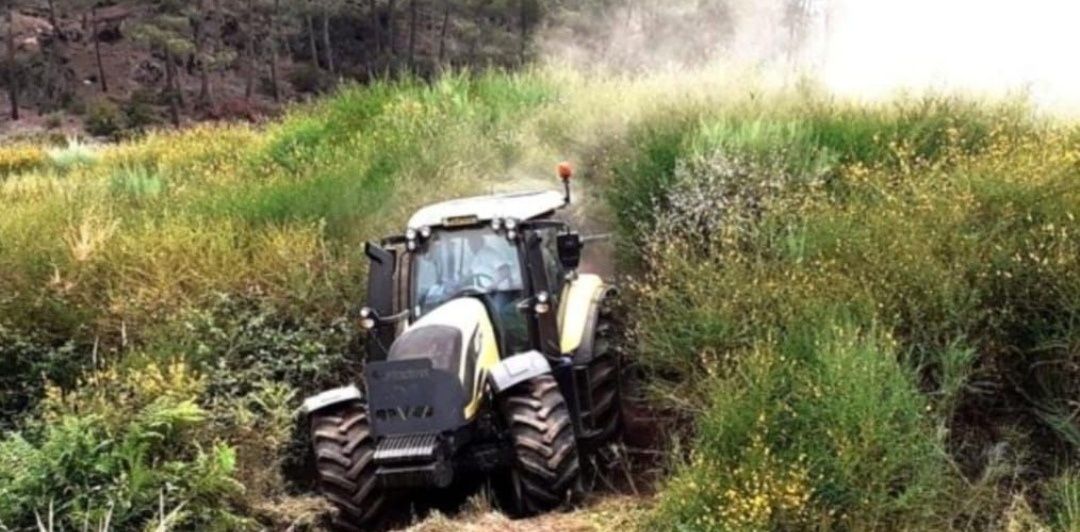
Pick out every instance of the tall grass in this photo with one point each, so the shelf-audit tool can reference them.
(869, 311)
(946, 226)
(236, 251)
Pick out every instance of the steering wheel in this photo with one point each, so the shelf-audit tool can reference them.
(482, 281)
(476, 285)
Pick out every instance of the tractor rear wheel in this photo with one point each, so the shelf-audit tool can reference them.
(345, 461)
(546, 473)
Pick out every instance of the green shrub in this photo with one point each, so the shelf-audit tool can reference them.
(129, 450)
(29, 362)
(75, 154)
(949, 227)
(54, 120)
(258, 362)
(136, 184)
(825, 431)
(140, 111)
(310, 79)
(240, 342)
(103, 119)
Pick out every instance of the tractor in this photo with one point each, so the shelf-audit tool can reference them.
(490, 356)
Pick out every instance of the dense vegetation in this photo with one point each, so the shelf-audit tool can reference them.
(868, 313)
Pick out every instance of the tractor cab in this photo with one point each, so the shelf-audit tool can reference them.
(505, 251)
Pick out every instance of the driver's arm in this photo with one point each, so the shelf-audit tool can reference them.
(503, 278)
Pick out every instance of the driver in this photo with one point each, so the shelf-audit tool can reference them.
(487, 264)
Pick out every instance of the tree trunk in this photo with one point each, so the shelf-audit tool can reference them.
(311, 40)
(412, 33)
(274, 53)
(328, 47)
(199, 35)
(474, 44)
(376, 25)
(97, 51)
(13, 76)
(54, 20)
(443, 32)
(252, 54)
(252, 69)
(524, 27)
(172, 86)
(392, 8)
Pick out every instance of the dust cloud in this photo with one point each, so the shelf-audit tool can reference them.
(858, 48)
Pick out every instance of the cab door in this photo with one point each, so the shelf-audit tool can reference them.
(543, 282)
(380, 295)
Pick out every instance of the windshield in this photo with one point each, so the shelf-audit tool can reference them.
(467, 262)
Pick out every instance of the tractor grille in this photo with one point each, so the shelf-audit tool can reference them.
(407, 449)
(413, 461)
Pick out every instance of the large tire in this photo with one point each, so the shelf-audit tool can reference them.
(546, 472)
(345, 461)
(605, 383)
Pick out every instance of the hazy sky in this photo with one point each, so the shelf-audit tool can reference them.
(994, 46)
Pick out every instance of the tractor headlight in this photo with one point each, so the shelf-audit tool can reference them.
(512, 235)
(496, 224)
(410, 234)
(511, 224)
(543, 303)
(367, 319)
(425, 232)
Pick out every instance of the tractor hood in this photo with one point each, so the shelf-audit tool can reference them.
(458, 338)
(443, 335)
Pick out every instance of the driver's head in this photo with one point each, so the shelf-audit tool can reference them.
(476, 242)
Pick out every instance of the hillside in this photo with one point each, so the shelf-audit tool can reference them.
(854, 316)
(115, 68)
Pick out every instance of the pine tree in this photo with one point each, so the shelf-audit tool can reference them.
(14, 73)
(169, 33)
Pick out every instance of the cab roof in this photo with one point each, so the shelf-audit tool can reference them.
(518, 205)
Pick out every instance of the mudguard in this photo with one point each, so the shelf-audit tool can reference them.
(579, 314)
(331, 398)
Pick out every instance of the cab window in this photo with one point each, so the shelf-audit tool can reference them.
(462, 263)
(552, 267)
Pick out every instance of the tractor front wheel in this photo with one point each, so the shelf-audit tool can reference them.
(605, 382)
(546, 473)
(345, 460)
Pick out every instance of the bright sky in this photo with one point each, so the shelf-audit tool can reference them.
(875, 47)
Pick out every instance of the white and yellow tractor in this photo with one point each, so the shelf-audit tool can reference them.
(490, 356)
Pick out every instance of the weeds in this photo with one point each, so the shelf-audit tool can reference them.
(75, 154)
(930, 222)
(871, 309)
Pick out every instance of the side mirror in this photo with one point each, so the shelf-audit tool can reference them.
(570, 246)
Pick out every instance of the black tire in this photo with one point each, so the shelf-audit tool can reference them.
(345, 461)
(546, 473)
(605, 378)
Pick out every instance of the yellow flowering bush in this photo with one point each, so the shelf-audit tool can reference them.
(19, 158)
(941, 232)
